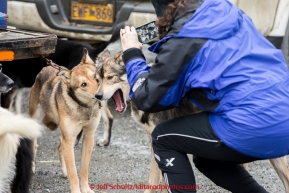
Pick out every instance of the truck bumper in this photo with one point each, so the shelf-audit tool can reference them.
(25, 15)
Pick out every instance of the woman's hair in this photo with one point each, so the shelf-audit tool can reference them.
(172, 9)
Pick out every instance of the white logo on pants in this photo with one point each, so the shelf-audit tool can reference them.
(157, 157)
(170, 162)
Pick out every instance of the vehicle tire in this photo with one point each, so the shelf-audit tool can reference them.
(285, 45)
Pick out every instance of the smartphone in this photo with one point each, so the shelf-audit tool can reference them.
(147, 33)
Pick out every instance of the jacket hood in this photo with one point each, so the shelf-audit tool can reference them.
(160, 6)
(214, 19)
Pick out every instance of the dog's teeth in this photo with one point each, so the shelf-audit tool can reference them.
(122, 105)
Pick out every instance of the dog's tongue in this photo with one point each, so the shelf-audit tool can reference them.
(118, 102)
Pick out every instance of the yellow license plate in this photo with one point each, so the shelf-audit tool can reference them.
(92, 12)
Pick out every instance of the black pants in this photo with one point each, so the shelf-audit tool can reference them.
(174, 139)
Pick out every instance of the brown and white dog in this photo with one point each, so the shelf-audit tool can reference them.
(68, 100)
(115, 85)
(15, 132)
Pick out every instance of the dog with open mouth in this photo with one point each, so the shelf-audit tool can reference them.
(115, 85)
(115, 76)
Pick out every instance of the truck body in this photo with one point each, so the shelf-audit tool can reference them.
(94, 20)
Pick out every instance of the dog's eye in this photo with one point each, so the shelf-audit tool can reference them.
(109, 77)
(83, 85)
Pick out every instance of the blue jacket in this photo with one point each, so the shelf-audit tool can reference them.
(216, 57)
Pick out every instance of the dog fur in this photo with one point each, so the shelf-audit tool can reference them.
(15, 134)
(24, 166)
(114, 72)
(67, 98)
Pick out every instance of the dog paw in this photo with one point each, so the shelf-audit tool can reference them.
(102, 142)
(86, 190)
(64, 174)
(148, 191)
(76, 192)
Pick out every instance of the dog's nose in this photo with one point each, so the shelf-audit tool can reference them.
(10, 83)
(99, 95)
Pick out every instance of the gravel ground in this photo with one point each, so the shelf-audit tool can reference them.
(125, 161)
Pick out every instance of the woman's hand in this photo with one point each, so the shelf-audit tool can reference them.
(129, 38)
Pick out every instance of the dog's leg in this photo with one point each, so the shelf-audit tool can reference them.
(34, 146)
(18, 99)
(155, 174)
(62, 161)
(78, 138)
(108, 119)
(163, 183)
(34, 99)
(67, 144)
(86, 151)
(281, 167)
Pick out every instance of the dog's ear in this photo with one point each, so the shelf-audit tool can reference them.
(64, 75)
(118, 58)
(105, 54)
(86, 59)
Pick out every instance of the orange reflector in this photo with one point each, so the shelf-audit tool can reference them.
(6, 55)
